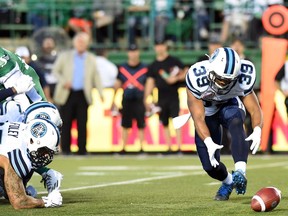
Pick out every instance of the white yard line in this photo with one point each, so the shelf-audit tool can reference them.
(134, 181)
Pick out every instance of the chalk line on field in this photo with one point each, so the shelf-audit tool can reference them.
(133, 181)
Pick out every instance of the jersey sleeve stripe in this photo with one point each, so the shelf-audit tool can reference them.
(18, 163)
(191, 88)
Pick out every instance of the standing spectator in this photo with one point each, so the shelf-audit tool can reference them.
(201, 8)
(77, 74)
(238, 45)
(132, 77)
(166, 73)
(46, 60)
(237, 15)
(80, 21)
(24, 53)
(38, 15)
(107, 15)
(138, 17)
(162, 13)
(107, 69)
(281, 81)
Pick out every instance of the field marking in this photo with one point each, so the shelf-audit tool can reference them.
(123, 182)
(134, 181)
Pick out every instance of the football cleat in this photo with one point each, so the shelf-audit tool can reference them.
(240, 181)
(52, 180)
(224, 192)
(31, 191)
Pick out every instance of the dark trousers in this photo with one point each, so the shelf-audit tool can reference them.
(75, 108)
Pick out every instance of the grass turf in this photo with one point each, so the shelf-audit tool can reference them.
(154, 185)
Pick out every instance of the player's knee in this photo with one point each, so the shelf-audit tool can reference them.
(208, 168)
(219, 173)
(236, 123)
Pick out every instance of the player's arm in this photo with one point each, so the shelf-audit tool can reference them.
(117, 85)
(149, 86)
(5, 93)
(197, 111)
(15, 188)
(252, 106)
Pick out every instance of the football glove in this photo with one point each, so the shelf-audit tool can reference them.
(23, 84)
(211, 148)
(54, 199)
(256, 139)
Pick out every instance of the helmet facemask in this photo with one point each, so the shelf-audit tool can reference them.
(43, 139)
(220, 85)
(41, 157)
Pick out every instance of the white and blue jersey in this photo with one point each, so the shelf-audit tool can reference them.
(199, 85)
(14, 147)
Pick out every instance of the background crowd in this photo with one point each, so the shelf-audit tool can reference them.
(97, 27)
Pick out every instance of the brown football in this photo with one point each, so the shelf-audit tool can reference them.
(266, 199)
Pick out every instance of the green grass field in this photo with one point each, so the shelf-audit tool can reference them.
(154, 185)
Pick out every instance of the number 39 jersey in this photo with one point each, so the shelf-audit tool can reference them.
(198, 84)
(13, 147)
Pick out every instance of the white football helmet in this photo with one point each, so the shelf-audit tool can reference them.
(224, 66)
(43, 138)
(45, 110)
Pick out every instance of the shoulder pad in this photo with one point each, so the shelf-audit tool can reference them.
(197, 78)
(247, 76)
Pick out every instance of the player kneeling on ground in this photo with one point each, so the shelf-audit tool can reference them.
(25, 147)
(11, 112)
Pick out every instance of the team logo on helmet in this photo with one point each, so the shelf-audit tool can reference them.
(38, 129)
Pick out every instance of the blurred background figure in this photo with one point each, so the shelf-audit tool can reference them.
(256, 29)
(79, 21)
(25, 54)
(38, 15)
(131, 78)
(107, 69)
(213, 44)
(137, 20)
(107, 16)
(77, 75)
(166, 73)
(238, 45)
(46, 59)
(237, 15)
(162, 14)
(201, 8)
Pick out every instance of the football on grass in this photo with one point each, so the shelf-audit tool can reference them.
(266, 199)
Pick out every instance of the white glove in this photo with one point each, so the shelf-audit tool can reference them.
(212, 147)
(256, 139)
(23, 84)
(54, 199)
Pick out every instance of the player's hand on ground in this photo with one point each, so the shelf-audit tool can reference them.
(255, 137)
(54, 199)
(212, 148)
(23, 84)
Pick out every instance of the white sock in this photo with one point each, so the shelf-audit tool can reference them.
(241, 165)
(228, 179)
